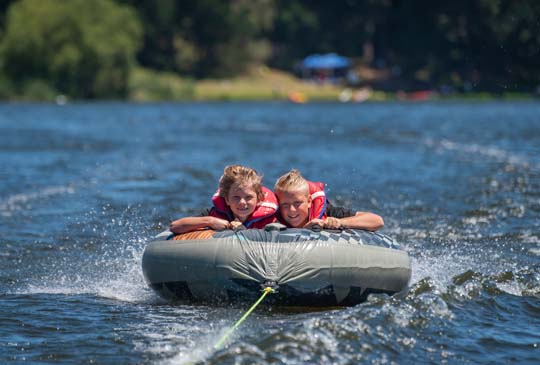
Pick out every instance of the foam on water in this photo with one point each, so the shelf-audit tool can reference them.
(199, 350)
(529, 237)
(188, 334)
(535, 251)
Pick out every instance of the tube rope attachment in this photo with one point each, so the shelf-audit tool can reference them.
(266, 291)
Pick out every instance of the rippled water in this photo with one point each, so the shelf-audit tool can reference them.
(84, 186)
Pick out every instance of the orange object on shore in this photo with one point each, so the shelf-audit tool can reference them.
(297, 97)
(421, 95)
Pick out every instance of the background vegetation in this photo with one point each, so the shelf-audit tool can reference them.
(185, 49)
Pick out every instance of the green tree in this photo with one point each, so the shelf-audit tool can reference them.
(204, 38)
(80, 48)
(482, 44)
(489, 45)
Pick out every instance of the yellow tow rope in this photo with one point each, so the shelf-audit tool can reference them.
(239, 322)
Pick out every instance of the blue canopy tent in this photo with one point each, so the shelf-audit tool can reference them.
(324, 67)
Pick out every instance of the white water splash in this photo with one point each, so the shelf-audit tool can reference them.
(442, 266)
(122, 281)
(116, 274)
(513, 288)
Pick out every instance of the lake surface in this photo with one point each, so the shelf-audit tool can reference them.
(85, 186)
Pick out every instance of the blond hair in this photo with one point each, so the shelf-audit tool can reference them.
(292, 181)
(241, 175)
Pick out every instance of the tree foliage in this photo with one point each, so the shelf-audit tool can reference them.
(86, 48)
(80, 48)
(487, 44)
(484, 44)
(203, 37)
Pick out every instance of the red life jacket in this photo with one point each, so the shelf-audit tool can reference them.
(317, 209)
(263, 214)
(318, 200)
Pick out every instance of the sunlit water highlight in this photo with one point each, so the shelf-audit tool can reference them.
(85, 186)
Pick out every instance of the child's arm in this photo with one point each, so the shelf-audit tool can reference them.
(188, 224)
(361, 220)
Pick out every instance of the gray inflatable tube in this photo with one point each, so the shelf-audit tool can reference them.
(307, 268)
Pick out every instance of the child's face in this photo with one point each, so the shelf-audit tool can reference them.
(294, 207)
(242, 200)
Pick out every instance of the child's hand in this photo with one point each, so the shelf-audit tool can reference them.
(328, 223)
(218, 224)
(314, 222)
(236, 224)
(332, 223)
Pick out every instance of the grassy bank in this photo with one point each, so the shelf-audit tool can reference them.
(259, 83)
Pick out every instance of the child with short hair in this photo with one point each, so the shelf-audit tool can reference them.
(303, 204)
(240, 200)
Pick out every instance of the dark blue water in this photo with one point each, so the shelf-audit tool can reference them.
(85, 186)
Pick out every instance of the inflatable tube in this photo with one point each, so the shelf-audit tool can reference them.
(307, 268)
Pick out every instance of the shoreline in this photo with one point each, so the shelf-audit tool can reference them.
(261, 84)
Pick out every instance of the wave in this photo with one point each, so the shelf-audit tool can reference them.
(22, 201)
(472, 284)
(474, 149)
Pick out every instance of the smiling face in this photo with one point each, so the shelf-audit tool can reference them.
(242, 199)
(294, 207)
